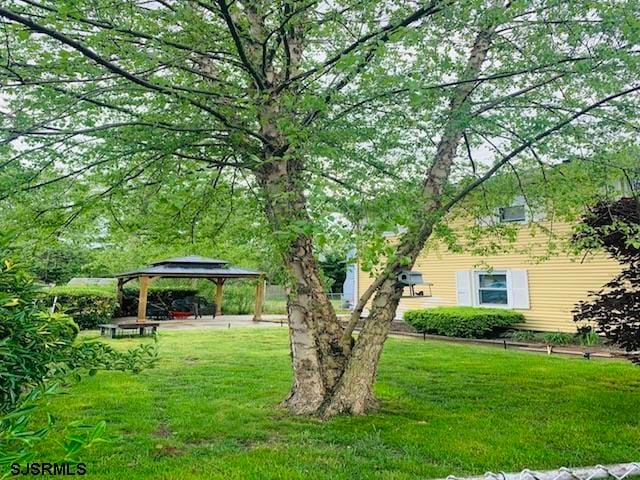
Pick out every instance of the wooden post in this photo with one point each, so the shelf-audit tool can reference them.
(219, 289)
(257, 314)
(120, 293)
(142, 299)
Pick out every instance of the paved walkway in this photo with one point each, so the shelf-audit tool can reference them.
(223, 321)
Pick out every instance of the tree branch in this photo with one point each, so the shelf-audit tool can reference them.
(528, 144)
(226, 15)
(384, 32)
(87, 52)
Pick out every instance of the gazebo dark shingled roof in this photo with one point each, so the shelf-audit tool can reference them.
(191, 267)
(193, 259)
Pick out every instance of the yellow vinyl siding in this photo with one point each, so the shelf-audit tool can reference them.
(555, 285)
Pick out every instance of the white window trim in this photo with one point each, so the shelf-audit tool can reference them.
(475, 286)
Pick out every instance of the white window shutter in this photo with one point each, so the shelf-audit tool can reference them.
(463, 288)
(519, 289)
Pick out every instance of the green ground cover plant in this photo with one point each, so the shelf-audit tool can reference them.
(585, 337)
(558, 338)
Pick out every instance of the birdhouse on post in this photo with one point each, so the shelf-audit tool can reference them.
(411, 278)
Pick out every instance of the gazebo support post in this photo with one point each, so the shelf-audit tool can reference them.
(120, 292)
(142, 299)
(257, 314)
(219, 290)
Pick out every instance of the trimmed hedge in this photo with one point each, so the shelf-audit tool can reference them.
(88, 306)
(464, 322)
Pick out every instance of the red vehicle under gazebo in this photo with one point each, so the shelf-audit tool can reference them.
(217, 271)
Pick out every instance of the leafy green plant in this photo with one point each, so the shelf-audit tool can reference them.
(88, 306)
(558, 338)
(238, 298)
(588, 337)
(39, 353)
(524, 336)
(17, 438)
(465, 322)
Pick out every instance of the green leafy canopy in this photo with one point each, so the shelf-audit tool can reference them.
(159, 117)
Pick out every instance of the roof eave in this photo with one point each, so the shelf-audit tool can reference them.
(146, 273)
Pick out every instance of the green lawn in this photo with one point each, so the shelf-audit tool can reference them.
(209, 410)
(279, 307)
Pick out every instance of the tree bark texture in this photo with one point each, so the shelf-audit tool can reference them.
(314, 330)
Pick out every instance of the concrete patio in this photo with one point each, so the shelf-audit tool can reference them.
(223, 321)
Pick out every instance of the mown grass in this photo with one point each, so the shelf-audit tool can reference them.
(209, 410)
(279, 307)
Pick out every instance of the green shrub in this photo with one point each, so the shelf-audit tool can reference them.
(465, 322)
(39, 351)
(238, 298)
(524, 336)
(88, 306)
(31, 338)
(558, 338)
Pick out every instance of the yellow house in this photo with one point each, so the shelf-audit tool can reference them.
(544, 291)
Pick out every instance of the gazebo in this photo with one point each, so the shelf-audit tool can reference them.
(217, 271)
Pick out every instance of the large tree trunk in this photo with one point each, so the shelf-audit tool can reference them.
(315, 333)
(354, 393)
(332, 375)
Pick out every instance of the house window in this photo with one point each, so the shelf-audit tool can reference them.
(492, 288)
(513, 214)
(495, 288)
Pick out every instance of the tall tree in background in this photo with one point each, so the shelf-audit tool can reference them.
(334, 268)
(357, 105)
(59, 264)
